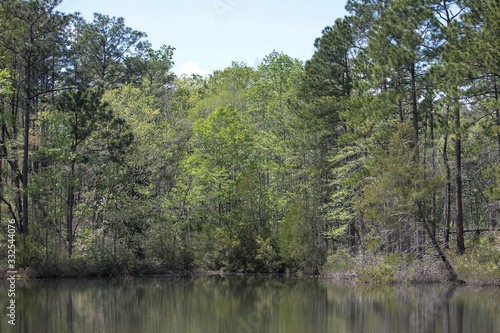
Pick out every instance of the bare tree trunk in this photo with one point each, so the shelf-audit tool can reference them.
(452, 275)
(351, 238)
(458, 185)
(447, 200)
(71, 201)
(433, 167)
(414, 108)
(497, 115)
(2, 149)
(26, 150)
(361, 228)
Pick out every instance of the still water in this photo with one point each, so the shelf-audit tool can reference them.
(247, 304)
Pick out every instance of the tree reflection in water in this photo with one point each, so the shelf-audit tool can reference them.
(249, 304)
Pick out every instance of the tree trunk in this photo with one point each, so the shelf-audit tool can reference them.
(433, 167)
(452, 275)
(497, 116)
(414, 108)
(71, 201)
(26, 150)
(361, 229)
(458, 185)
(2, 150)
(351, 238)
(447, 199)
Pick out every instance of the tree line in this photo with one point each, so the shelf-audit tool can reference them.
(386, 140)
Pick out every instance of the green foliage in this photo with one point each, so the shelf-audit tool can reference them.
(235, 248)
(481, 262)
(224, 140)
(221, 147)
(397, 185)
(328, 73)
(228, 249)
(382, 272)
(163, 244)
(268, 257)
(349, 174)
(29, 253)
(493, 191)
(339, 261)
(298, 239)
(157, 65)
(5, 86)
(261, 169)
(106, 50)
(327, 81)
(204, 243)
(83, 110)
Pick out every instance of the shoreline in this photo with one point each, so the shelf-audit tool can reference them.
(347, 276)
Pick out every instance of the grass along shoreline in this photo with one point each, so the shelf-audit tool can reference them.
(480, 265)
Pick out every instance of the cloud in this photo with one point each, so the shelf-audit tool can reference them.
(190, 67)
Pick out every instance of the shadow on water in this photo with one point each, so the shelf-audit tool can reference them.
(248, 304)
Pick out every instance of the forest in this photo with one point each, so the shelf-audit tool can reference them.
(380, 154)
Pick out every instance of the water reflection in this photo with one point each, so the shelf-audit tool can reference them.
(248, 304)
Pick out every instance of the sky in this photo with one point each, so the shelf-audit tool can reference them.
(210, 34)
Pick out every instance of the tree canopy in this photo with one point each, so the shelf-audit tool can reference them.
(386, 141)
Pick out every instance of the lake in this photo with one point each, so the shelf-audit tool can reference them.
(247, 304)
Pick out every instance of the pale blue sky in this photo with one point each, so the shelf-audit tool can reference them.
(210, 34)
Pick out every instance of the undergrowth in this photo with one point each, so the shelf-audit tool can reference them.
(479, 265)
